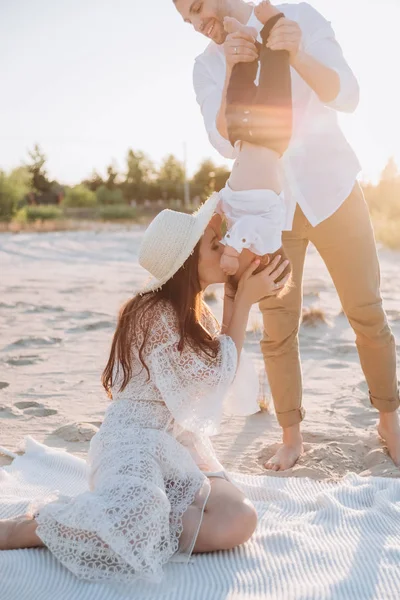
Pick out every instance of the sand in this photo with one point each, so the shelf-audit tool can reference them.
(59, 297)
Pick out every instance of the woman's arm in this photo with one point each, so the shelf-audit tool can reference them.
(229, 299)
(251, 289)
(238, 322)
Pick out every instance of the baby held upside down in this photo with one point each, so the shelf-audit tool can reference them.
(259, 123)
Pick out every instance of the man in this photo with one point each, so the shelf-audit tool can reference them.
(325, 204)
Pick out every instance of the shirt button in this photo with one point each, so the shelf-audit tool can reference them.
(244, 240)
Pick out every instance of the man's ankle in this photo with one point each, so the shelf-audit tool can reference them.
(292, 435)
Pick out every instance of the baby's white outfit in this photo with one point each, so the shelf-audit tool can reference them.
(255, 219)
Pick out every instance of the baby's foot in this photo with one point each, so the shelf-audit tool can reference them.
(229, 264)
(265, 11)
(232, 25)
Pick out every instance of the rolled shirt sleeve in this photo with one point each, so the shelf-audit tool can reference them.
(209, 96)
(319, 41)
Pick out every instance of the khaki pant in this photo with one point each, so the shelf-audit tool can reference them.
(346, 243)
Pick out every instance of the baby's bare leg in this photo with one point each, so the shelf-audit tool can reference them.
(256, 168)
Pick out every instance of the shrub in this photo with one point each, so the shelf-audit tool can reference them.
(312, 317)
(117, 211)
(106, 197)
(11, 193)
(79, 197)
(387, 231)
(38, 213)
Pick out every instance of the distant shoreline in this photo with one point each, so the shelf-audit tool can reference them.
(58, 225)
(386, 232)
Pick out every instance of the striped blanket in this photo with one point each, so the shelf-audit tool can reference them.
(315, 541)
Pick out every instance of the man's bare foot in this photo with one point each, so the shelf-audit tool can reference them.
(389, 430)
(289, 452)
(18, 533)
(265, 11)
(232, 25)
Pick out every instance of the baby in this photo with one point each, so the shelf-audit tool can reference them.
(259, 122)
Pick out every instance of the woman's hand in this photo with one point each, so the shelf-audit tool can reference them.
(252, 288)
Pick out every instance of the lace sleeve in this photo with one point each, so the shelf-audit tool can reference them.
(192, 384)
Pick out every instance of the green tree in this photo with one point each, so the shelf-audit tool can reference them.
(107, 196)
(208, 179)
(202, 182)
(221, 176)
(140, 176)
(12, 191)
(391, 171)
(36, 167)
(21, 180)
(79, 197)
(171, 177)
(94, 182)
(112, 177)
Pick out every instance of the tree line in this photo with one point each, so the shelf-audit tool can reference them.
(140, 182)
(27, 191)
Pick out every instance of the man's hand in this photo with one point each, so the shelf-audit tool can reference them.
(286, 35)
(239, 47)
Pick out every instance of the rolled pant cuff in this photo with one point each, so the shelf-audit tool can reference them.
(291, 417)
(385, 404)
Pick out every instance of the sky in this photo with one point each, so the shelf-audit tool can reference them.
(88, 79)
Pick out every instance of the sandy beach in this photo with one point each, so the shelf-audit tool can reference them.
(59, 297)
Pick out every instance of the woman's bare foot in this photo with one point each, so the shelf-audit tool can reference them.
(232, 25)
(265, 11)
(7, 529)
(389, 430)
(290, 451)
(18, 533)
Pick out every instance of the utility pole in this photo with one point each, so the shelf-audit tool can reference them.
(186, 189)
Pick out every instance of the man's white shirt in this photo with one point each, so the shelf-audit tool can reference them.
(320, 168)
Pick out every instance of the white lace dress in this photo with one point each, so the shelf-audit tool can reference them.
(146, 463)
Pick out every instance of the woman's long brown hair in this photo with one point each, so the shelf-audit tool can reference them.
(183, 292)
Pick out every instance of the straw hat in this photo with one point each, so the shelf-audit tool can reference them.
(170, 239)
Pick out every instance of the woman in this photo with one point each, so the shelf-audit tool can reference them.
(157, 491)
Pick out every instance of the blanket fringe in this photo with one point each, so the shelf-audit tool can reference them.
(7, 452)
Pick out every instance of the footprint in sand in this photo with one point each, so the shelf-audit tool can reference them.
(23, 405)
(22, 361)
(35, 409)
(363, 386)
(336, 365)
(346, 349)
(9, 412)
(40, 412)
(33, 342)
(76, 432)
(98, 325)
